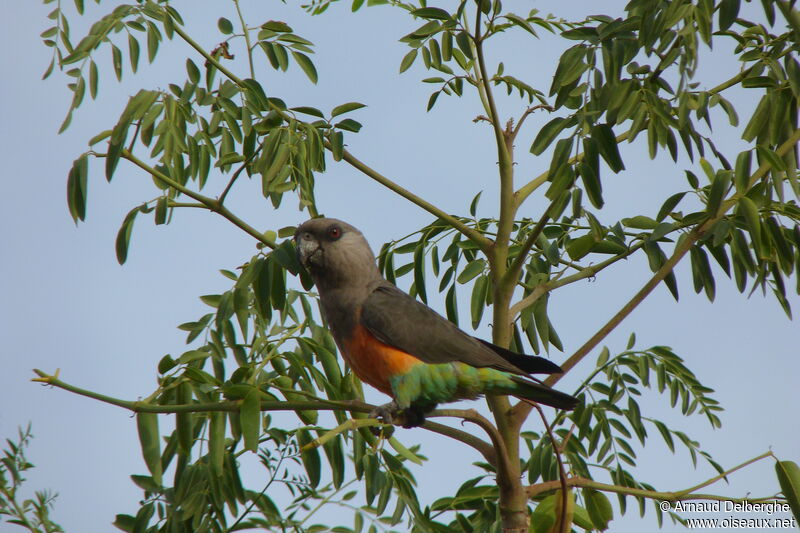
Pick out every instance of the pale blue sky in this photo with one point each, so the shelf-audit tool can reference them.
(67, 304)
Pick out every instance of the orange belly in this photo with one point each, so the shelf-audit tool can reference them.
(374, 362)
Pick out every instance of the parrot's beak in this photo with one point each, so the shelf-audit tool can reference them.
(308, 249)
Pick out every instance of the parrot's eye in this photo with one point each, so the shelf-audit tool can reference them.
(334, 232)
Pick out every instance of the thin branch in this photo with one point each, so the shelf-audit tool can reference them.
(351, 424)
(484, 448)
(516, 266)
(505, 163)
(471, 233)
(272, 477)
(725, 474)
(237, 173)
(471, 415)
(527, 112)
(684, 245)
(193, 205)
(209, 203)
(246, 38)
(670, 496)
(556, 282)
(208, 57)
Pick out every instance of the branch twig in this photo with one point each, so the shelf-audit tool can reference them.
(483, 447)
(670, 496)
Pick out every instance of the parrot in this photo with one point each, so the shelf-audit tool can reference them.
(399, 345)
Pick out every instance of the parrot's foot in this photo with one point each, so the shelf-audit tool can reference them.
(391, 413)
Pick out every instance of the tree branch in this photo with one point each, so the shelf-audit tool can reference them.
(556, 282)
(527, 112)
(471, 415)
(235, 176)
(516, 266)
(471, 233)
(209, 203)
(483, 447)
(670, 496)
(208, 57)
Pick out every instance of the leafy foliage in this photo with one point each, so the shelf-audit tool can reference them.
(262, 374)
(32, 514)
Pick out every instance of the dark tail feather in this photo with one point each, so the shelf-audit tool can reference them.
(529, 390)
(530, 364)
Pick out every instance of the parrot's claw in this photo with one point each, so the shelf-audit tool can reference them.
(390, 413)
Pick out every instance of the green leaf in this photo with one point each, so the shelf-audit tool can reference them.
(669, 205)
(793, 73)
(116, 59)
(408, 60)
(472, 269)
(348, 124)
(578, 248)
(276, 26)
(759, 81)
(581, 34)
(403, 451)
(748, 209)
(547, 135)
(478, 300)
(250, 419)
(225, 26)
(543, 517)
(639, 222)
(133, 52)
(431, 13)
(591, 182)
(184, 422)
(309, 457)
(76, 188)
(337, 145)
(313, 111)
(145, 483)
(599, 508)
(771, 157)
(571, 66)
(720, 185)
(742, 172)
(346, 108)
(419, 272)
(758, 120)
(451, 305)
(124, 522)
(93, 79)
(216, 442)
(789, 479)
(147, 425)
(607, 146)
(124, 235)
(306, 64)
(728, 11)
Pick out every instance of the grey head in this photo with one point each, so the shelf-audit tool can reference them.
(335, 253)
